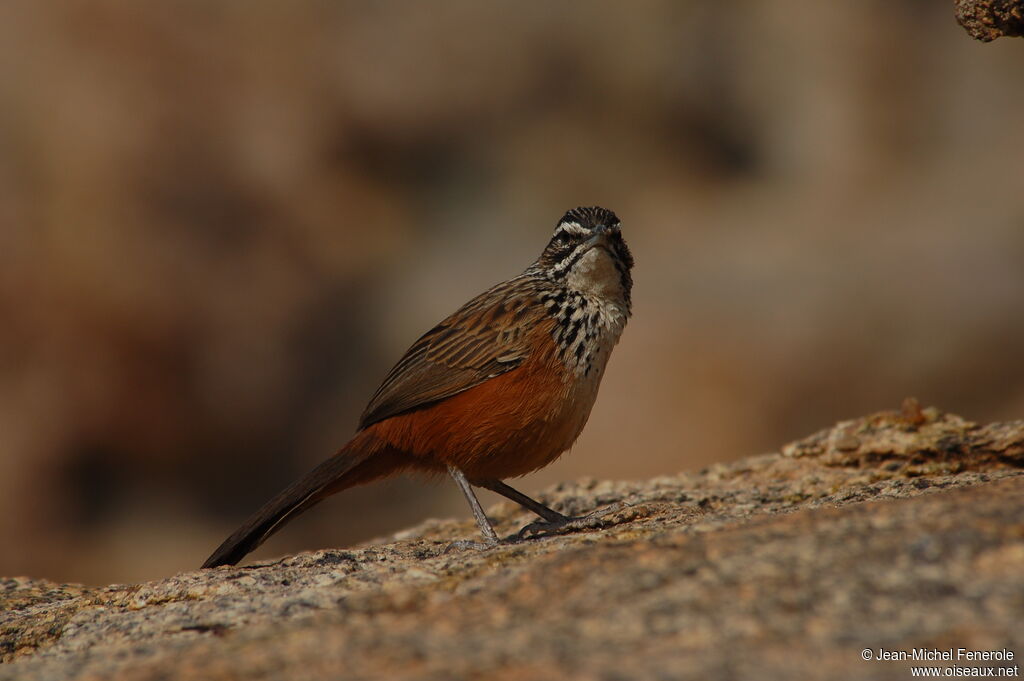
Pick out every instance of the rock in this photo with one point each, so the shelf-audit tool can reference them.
(896, 531)
(986, 20)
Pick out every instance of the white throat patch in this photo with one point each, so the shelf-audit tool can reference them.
(595, 276)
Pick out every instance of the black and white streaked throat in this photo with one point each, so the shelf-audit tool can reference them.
(589, 264)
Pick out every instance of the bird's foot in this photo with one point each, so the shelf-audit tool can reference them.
(567, 524)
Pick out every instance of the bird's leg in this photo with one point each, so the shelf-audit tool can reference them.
(548, 514)
(486, 529)
(553, 520)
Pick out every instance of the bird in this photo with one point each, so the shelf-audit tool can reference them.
(500, 388)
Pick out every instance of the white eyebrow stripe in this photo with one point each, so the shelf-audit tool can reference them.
(571, 228)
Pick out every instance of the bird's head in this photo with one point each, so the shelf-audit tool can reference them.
(588, 254)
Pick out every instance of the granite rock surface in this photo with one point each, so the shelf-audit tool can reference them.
(899, 530)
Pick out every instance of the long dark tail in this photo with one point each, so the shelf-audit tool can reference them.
(333, 475)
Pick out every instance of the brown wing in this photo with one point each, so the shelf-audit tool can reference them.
(486, 337)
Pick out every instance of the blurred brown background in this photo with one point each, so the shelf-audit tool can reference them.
(222, 222)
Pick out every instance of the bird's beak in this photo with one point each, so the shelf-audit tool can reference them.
(602, 234)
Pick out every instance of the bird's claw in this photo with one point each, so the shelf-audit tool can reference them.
(568, 523)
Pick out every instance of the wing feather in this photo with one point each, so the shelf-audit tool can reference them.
(486, 337)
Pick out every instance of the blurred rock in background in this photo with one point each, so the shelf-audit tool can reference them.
(221, 223)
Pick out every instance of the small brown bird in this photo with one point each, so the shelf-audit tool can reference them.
(500, 388)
